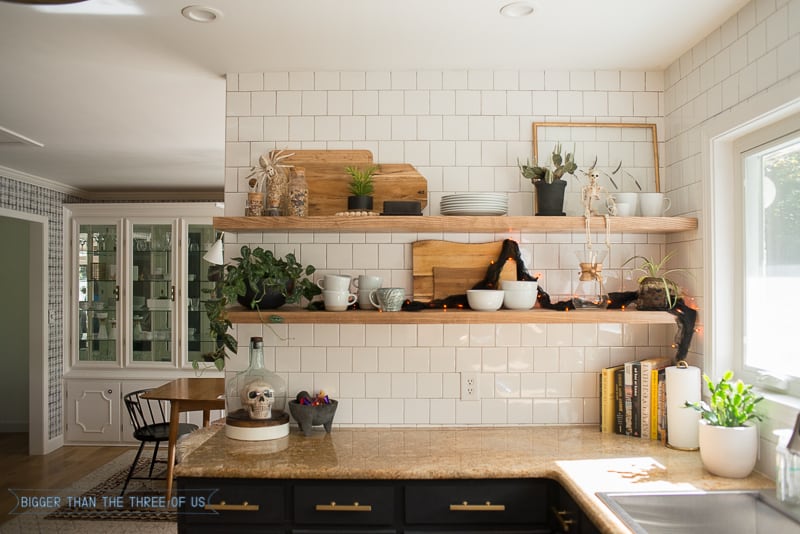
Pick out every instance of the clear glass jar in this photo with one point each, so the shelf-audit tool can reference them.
(298, 193)
(277, 192)
(255, 394)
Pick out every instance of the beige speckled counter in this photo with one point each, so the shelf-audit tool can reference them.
(582, 459)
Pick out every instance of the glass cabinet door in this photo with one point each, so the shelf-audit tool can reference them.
(198, 287)
(98, 293)
(152, 292)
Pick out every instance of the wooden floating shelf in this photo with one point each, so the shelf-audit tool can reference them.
(453, 224)
(290, 315)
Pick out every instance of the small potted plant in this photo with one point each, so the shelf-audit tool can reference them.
(727, 434)
(259, 280)
(549, 182)
(656, 291)
(362, 185)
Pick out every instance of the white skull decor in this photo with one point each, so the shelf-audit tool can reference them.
(258, 397)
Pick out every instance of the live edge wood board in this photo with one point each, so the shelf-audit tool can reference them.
(453, 224)
(290, 315)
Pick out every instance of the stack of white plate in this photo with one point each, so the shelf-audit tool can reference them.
(474, 204)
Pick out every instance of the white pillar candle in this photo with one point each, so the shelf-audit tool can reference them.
(683, 384)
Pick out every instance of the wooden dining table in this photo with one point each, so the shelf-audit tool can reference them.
(187, 395)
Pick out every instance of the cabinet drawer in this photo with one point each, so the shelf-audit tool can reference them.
(233, 501)
(344, 503)
(476, 502)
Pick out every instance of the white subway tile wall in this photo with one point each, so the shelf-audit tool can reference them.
(463, 130)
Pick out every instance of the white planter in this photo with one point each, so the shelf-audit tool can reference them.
(729, 452)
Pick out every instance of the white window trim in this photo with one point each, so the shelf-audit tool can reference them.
(718, 136)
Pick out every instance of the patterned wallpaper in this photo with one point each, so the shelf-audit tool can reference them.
(33, 199)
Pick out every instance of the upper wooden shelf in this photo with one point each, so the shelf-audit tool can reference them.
(453, 224)
(290, 315)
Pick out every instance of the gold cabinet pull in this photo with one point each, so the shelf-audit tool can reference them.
(333, 507)
(485, 507)
(244, 507)
(563, 518)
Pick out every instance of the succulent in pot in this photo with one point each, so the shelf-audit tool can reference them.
(727, 434)
(548, 181)
(361, 186)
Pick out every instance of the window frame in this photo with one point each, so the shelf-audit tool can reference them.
(752, 143)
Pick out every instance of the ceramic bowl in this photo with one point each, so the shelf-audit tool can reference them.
(519, 285)
(485, 299)
(519, 300)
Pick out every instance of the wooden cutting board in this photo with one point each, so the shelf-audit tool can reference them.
(443, 268)
(328, 182)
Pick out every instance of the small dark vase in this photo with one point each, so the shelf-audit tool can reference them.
(271, 299)
(363, 203)
(550, 197)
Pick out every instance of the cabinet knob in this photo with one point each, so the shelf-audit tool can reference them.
(110, 391)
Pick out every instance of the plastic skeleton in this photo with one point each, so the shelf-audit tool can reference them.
(258, 398)
(592, 192)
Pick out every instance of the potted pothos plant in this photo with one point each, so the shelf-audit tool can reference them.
(362, 185)
(258, 280)
(656, 290)
(548, 180)
(727, 434)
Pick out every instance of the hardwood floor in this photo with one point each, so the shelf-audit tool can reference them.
(52, 471)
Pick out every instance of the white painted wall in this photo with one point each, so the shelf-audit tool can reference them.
(14, 285)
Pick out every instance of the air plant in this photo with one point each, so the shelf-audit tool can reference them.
(267, 168)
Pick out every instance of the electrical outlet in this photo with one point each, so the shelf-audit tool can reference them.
(470, 387)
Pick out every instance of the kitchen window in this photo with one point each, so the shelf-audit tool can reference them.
(767, 265)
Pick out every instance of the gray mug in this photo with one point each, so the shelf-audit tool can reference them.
(389, 299)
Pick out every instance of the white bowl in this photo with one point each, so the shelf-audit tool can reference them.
(485, 299)
(519, 300)
(519, 285)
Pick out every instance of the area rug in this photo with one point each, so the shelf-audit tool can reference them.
(82, 518)
(144, 500)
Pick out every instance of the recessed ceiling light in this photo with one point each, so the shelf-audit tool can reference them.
(201, 13)
(516, 10)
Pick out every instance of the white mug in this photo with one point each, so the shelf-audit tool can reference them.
(338, 300)
(365, 281)
(653, 204)
(335, 282)
(363, 299)
(627, 198)
(625, 209)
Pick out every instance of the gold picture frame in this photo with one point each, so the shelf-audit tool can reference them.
(648, 126)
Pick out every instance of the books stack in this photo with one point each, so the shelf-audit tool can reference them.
(633, 399)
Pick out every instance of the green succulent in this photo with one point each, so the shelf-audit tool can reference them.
(362, 183)
(561, 166)
(731, 404)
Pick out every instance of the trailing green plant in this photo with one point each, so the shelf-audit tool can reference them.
(363, 180)
(256, 272)
(652, 268)
(731, 403)
(560, 167)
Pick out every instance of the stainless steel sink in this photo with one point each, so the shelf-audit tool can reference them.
(714, 512)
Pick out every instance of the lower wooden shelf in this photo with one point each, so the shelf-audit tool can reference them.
(289, 315)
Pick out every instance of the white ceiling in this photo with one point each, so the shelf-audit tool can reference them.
(136, 101)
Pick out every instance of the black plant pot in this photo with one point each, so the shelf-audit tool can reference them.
(271, 299)
(550, 197)
(363, 203)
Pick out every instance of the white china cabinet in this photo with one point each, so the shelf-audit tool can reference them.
(134, 306)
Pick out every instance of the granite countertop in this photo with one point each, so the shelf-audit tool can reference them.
(581, 458)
